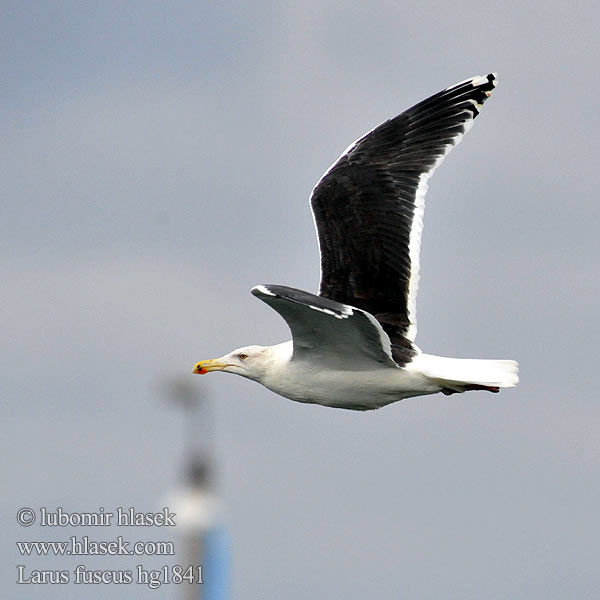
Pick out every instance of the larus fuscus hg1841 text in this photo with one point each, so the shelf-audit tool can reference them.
(353, 345)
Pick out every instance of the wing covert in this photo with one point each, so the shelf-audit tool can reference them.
(343, 336)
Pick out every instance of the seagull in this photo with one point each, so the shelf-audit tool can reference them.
(353, 344)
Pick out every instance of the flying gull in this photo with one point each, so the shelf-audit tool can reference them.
(353, 344)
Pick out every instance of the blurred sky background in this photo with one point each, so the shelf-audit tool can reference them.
(157, 159)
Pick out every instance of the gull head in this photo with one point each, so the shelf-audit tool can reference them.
(250, 362)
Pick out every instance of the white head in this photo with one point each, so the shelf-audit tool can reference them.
(250, 361)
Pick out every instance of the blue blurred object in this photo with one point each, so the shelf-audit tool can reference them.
(216, 570)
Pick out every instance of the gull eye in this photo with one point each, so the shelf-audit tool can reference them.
(242, 356)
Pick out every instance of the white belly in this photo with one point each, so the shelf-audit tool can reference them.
(359, 390)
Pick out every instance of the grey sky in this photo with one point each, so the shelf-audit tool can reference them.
(156, 164)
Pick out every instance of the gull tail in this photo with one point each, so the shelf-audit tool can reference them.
(463, 374)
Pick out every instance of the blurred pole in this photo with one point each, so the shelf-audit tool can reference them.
(203, 536)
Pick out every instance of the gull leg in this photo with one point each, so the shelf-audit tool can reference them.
(471, 387)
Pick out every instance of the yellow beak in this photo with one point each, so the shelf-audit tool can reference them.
(206, 366)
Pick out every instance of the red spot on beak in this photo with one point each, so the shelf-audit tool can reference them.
(203, 371)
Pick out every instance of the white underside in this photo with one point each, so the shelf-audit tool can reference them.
(305, 381)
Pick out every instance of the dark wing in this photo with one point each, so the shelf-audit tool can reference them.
(368, 206)
(327, 333)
